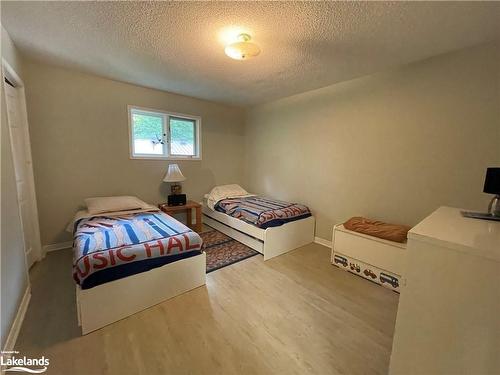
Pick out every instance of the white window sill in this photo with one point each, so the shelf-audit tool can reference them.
(181, 158)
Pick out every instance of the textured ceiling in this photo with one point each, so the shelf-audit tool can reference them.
(177, 46)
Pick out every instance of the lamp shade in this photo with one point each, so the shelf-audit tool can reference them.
(492, 181)
(174, 174)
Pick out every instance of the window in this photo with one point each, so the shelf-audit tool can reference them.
(162, 135)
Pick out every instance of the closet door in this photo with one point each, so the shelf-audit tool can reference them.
(21, 152)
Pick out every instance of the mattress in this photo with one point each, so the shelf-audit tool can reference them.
(107, 248)
(262, 212)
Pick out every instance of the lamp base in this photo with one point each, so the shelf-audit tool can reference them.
(494, 206)
(176, 189)
(176, 200)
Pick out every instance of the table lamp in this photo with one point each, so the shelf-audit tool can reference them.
(492, 186)
(174, 176)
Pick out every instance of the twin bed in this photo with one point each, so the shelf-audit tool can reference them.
(129, 256)
(126, 261)
(268, 226)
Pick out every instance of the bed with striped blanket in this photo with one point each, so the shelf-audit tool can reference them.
(262, 212)
(107, 248)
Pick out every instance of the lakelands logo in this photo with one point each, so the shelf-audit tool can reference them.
(10, 362)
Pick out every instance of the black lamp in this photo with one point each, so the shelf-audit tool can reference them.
(492, 186)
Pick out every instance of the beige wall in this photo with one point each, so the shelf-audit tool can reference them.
(14, 274)
(80, 144)
(392, 146)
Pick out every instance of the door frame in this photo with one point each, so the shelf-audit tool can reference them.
(9, 73)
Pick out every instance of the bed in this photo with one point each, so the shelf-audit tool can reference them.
(269, 226)
(126, 261)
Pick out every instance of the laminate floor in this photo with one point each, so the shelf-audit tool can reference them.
(294, 314)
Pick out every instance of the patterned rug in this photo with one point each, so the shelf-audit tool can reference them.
(223, 250)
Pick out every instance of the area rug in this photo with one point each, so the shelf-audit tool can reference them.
(222, 250)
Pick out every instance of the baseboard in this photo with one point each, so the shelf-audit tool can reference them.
(18, 321)
(323, 242)
(56, 246)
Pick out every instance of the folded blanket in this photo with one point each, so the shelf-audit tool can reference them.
(379, 229)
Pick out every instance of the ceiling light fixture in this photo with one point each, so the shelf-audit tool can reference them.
(243, 49)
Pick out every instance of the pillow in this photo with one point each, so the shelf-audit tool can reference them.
(375, 228)
(111, 204)
(225, 191)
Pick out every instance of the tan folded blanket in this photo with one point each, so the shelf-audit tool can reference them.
(375, 228)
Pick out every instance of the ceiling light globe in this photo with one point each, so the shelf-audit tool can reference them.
(242, 50)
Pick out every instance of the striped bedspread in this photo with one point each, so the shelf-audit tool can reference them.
(262, 212)
(108, 248)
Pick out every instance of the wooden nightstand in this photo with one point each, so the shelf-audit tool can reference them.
(188, 209)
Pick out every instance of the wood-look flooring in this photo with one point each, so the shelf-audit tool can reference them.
(294, 314)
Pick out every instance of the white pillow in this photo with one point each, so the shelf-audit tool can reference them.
(225, 191)
(111, 204)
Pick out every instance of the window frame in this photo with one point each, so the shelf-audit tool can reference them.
(166, 130)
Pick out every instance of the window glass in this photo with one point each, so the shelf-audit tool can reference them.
(147, 133)
(182, 136)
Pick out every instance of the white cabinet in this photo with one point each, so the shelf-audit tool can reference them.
(448, 319)
(375, 259)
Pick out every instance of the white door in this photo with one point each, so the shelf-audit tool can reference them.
(21, 152)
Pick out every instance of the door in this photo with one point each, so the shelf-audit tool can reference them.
(21, 153)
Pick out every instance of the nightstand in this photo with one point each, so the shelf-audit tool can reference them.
(185, 208)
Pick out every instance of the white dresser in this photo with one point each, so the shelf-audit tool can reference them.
(448, 318)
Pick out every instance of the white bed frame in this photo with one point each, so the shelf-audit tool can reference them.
(270, 242)
(107, 303)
